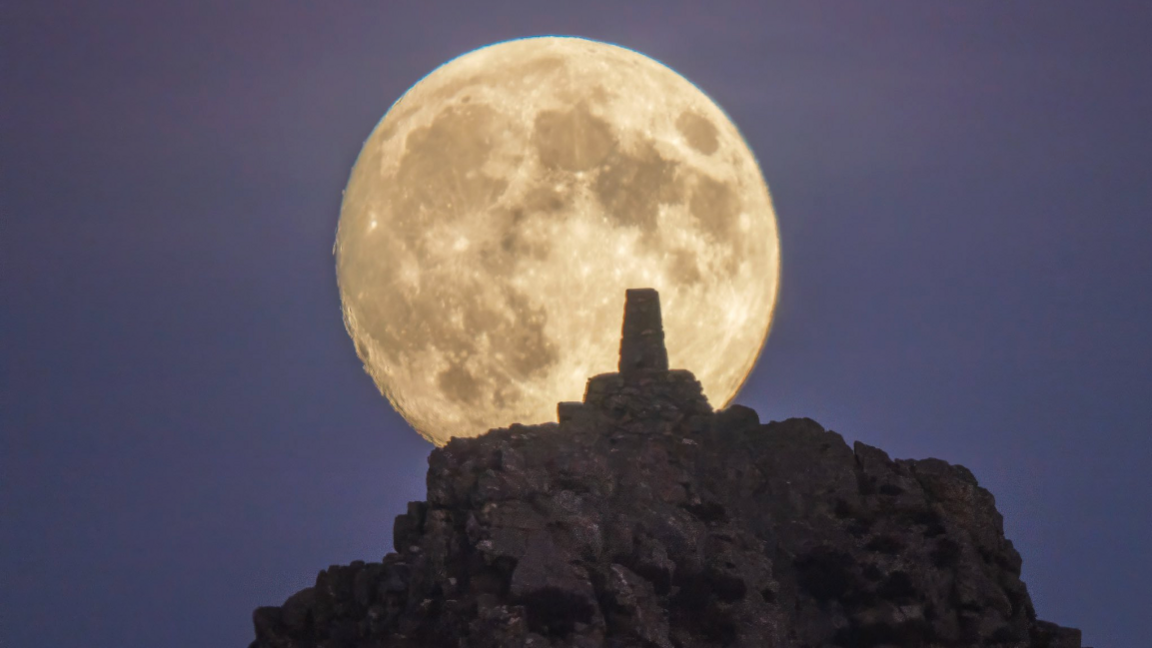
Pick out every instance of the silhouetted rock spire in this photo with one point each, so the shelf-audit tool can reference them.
(644, 388)
(642, 342)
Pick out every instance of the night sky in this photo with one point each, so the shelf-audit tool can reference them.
(964, 194)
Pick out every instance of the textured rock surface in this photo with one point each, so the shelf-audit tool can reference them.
(646, 519)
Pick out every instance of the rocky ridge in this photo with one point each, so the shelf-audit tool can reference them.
(645, 519)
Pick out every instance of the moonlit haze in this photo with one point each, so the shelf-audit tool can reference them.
(497, 213)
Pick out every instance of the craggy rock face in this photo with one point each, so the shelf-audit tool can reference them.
(645, 519)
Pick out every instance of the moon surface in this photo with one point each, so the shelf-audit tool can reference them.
(497, 213)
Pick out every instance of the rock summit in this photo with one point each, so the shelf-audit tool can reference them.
(644, 519)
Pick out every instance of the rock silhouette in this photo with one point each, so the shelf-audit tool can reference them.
(645, 519)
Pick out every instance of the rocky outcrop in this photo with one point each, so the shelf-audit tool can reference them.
(645, 519)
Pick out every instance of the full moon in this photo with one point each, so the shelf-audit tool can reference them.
(498, 212)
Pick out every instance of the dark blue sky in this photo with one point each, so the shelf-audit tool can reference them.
(964, 193)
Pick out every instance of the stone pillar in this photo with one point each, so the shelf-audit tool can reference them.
(642, 343)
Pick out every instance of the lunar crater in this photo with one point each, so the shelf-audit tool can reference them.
(699, 132)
